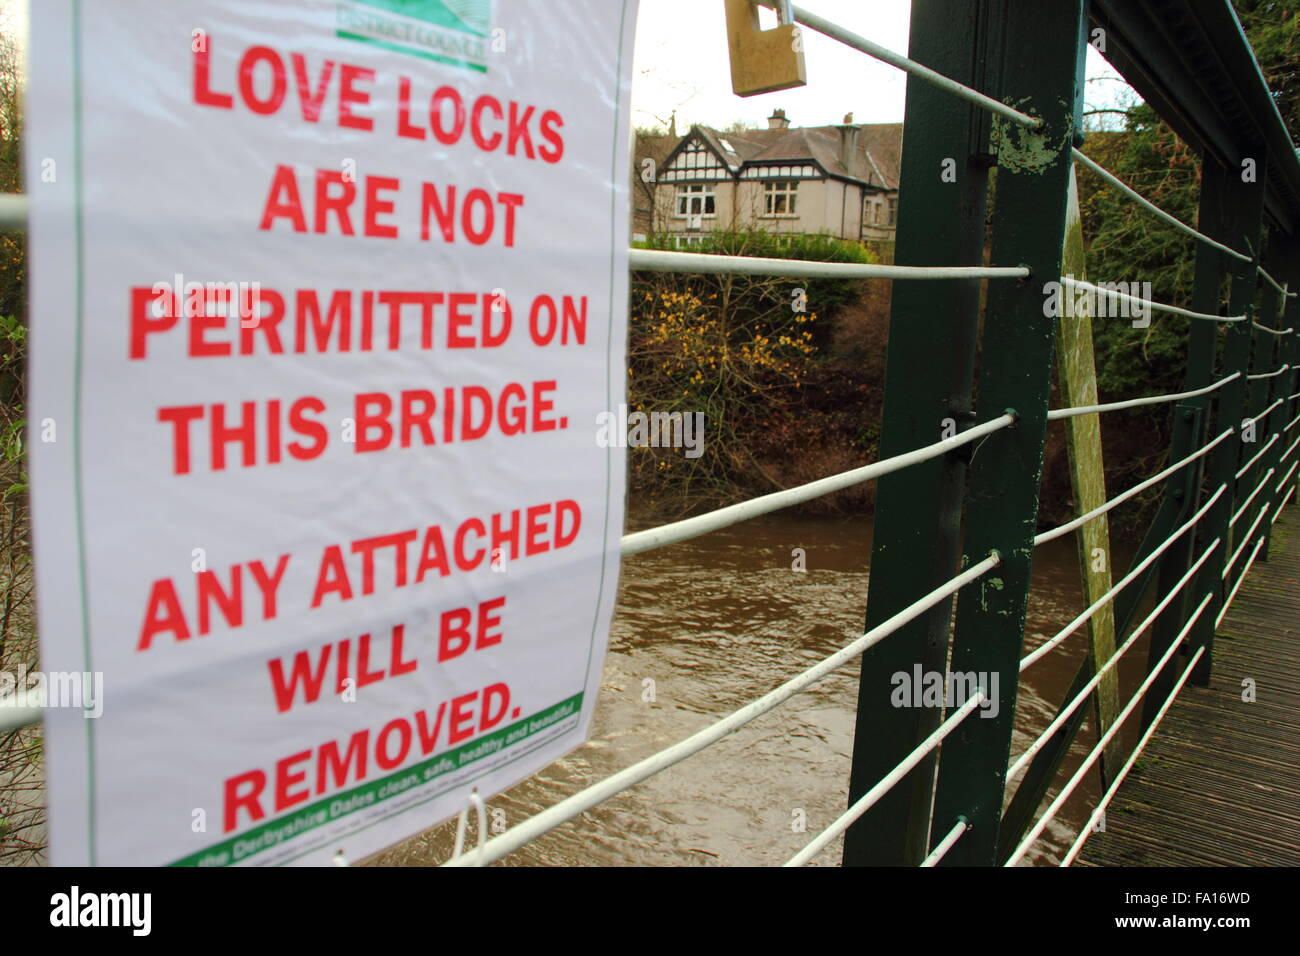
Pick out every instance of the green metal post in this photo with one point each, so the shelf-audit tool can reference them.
(1245, 204)
(930, 368)
(1280, 257)
(1040, 51)
(1285, 251)
(1263, 393)
(1183, 492)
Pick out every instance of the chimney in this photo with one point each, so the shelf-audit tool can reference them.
(848, 145)
(777, 120)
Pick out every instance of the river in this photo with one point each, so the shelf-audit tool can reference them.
(704, 627)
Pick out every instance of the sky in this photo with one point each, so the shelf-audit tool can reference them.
(15, 12)
(681, 64)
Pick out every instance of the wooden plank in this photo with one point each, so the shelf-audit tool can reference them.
(1219, 783)
(1077, 374)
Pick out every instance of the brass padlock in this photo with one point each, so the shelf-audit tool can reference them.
(763, 60)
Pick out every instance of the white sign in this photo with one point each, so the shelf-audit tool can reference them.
(327, 298)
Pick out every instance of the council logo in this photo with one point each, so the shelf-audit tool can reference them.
(455, 32)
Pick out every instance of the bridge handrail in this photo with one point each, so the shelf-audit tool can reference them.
(1054, 807)
(1090, 825)
(888, 782)
(1061, 718)
(687, 528)
(1064, 529)
(585, 799)
(1055, 641)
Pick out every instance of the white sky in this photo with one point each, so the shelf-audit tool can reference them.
(15, 11)
(681, 64)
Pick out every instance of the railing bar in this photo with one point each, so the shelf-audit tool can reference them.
(1246, 504)
(13, 211)
(1265, 412)
(1111, 731)
(890, 780)
(1275, 284)
(1031, 658)
(662, 260)
(1244, 541)
(1290, 471)
(663, 535)
(1282, 504)
(1149, 303)
(1287, 454)
(1272, 331)
(1247, 466)
(1272, 374)
(1119, 499)
(947, 843)
(911, 67)
(1086, 831)
(1241, 579)
(13, 717)
(1041, 740)
(1151, 207)
(585, 799)
(1059, 413)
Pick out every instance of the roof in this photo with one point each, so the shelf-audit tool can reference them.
(875, 162)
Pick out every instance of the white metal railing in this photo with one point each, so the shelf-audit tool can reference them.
(889, 781)
(1047, 646)
(912, 68)
(1060, 413)
(1079, 775)
(1155, 210)
(1041, 740)
(1088, 828)
(658, 260)
(1272, 440)
(1227, 568)
(585, 799)
(1147, 303)
(1124, 496)
(1275, 372)
(653, 538)
(1251, 497)
(1110, 178)
(947, 843)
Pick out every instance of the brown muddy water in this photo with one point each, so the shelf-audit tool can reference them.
(714, 623)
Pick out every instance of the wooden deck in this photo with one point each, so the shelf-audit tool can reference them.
(1219, 782)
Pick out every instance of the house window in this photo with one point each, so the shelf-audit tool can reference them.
(893, 211)
(779, 197)
(696, 200)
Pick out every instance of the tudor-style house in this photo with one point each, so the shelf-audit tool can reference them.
(840, 180)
